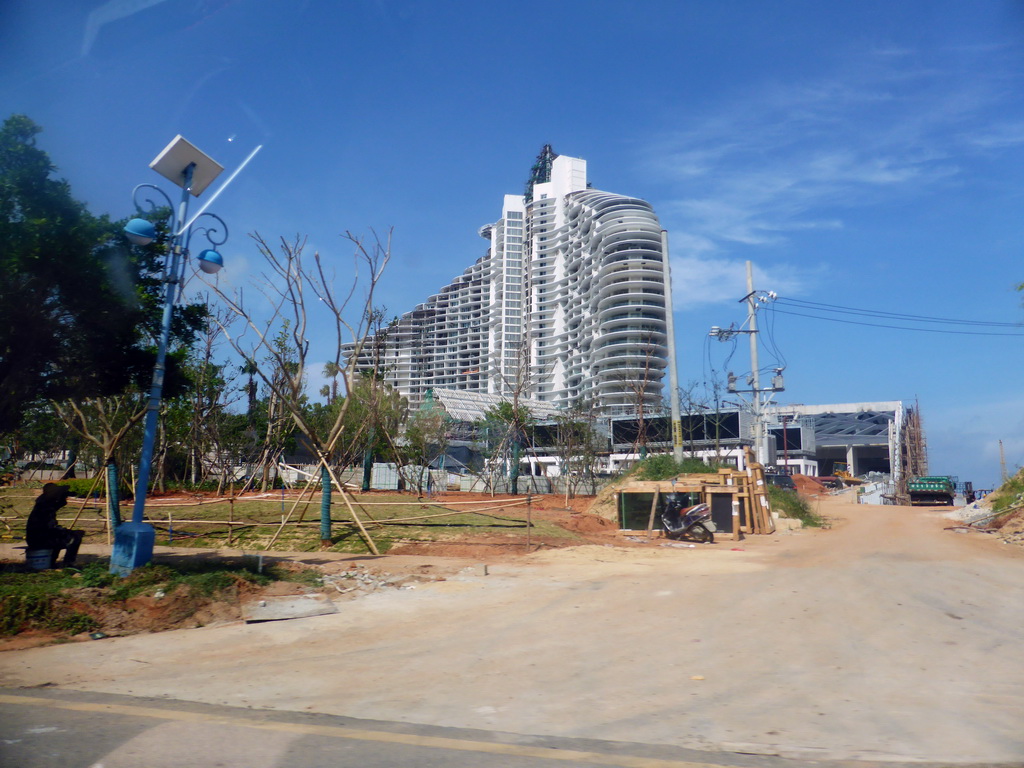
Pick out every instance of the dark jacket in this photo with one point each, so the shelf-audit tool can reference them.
(42, 531)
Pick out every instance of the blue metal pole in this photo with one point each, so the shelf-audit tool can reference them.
(157, 388)
(113, 502)
(325, 506)
(133, 542)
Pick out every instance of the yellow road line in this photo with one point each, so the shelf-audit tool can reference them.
(359, 734)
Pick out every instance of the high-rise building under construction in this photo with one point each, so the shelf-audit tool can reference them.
(568, 305)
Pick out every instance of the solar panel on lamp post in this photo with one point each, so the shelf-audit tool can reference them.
(192, 170)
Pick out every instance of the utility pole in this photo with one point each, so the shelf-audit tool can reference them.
(1002, 461)
(757, 409)
(673, 375)
(755, 368)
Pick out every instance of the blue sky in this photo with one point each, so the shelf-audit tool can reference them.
(860, 154)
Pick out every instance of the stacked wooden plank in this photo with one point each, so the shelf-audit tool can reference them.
(760, 510)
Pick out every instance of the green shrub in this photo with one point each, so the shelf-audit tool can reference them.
(212, 583)
(37, 599)
(793, 505)
(662, 467)
(203, 579)
(97, 574)
(141, 580)
(19, 611)
(32, 601)
(1009, 494)
(80, 487)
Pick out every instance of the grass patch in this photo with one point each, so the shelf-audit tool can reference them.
(1009, 494)
(794, 506)
(203, 523)
(38, 600)
(33, 601)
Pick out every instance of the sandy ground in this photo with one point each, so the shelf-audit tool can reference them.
(885, 637)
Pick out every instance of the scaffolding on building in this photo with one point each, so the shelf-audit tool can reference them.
(540, 172)
(913, 453)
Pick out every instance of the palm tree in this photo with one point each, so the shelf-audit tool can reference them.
(250, 370)
(332, 370)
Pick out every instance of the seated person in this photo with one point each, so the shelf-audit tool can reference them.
(42, 531)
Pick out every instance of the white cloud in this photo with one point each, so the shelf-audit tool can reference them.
(792, 158)
(999, 136)
(698, 281)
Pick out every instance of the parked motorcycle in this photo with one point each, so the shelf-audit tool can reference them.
(682, 522)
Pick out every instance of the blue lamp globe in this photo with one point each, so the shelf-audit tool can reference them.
(140, 231)
(210, 261)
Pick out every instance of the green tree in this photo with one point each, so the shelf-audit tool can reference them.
(372, 420)
(426, 437)
(578, 445)
(79, 307)
(506, 431)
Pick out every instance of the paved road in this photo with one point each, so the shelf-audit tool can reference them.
(46, 728)
(886, 638)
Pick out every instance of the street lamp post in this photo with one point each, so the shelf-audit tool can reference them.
(192, 170)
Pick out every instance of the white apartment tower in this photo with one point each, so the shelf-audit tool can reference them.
(568, 304)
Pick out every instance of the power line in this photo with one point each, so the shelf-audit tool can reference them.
(813, 305)
(901, 327)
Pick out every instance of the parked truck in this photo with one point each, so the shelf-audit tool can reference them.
(931, 491)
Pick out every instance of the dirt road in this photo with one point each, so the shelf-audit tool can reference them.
(884, 638)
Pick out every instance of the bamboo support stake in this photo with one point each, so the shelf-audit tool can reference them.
(362, 508)
(85, 501)
(510, 502)
(290, 511)
(309, 489)
(529, 521)
(450, 513)
(362, 528)
(444, 505)
(231, 514)
(348, 503)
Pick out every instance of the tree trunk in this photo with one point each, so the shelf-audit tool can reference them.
(69, 469)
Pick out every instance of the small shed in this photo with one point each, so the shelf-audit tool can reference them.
(738, 500)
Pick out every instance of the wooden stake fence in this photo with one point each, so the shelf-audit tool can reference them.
(232, 525)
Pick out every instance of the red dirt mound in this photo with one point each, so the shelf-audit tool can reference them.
(808, 485)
